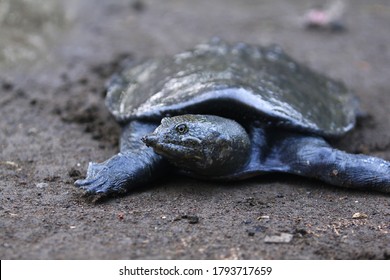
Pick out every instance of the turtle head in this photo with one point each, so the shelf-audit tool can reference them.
(204, 145)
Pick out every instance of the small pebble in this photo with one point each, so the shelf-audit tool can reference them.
(282, 238)
(191, 219)
(41, 185)
(359, 216)
(264, 217)
(120, 216)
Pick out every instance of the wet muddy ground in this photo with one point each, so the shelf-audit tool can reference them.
(53, 66)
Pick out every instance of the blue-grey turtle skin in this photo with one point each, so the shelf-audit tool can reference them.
(228, 112)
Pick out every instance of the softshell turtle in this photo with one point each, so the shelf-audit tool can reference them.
(228, 112)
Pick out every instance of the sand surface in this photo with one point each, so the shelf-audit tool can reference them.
(54, 60)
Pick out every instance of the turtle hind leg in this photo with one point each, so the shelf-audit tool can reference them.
(313, 157)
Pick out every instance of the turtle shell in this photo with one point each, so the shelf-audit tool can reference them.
(241, 80)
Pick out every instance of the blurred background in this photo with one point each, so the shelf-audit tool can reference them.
(60, 33)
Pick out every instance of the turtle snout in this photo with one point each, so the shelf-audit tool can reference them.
(150, 140)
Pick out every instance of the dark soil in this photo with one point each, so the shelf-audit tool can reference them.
(53, 122)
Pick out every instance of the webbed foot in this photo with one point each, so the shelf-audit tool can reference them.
(122, 172)
(106, 177)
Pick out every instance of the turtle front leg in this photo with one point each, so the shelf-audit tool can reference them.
(313, 157)
(135, 166)
(121, 173)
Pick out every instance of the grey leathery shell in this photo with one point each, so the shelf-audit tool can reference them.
(263, 80)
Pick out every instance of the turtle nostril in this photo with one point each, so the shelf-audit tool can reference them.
(150, 140)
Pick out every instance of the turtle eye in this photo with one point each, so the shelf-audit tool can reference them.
(181, 128)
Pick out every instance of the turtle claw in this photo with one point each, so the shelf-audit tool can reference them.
(96, 181)
(105, 177)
